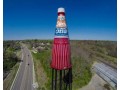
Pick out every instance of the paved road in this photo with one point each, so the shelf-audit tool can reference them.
(24, 79)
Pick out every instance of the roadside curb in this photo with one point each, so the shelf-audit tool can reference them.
(34, 83)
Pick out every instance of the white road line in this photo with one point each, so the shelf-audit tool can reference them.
(23, 78)
(33, 70)
(16, 73)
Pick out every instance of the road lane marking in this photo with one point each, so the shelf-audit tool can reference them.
(23, 83)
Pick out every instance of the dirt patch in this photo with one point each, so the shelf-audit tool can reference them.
(41, 75)
(96, 83)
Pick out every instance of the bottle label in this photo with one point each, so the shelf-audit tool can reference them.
(61, 32)
(61, 21)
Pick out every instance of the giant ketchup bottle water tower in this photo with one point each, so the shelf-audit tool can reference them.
(61, 61)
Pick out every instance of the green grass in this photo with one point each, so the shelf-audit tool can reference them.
(8, 64)
(81, 72)
(9, 79)
(18, 54)
(44, 58)
(107, 57)
(41, 62)
(106, 50)
(10, 61)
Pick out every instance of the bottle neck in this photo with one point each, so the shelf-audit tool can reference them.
(61, 27)
(61, 13)
(61, 22)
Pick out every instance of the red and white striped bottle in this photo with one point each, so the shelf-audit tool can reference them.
(61, 47)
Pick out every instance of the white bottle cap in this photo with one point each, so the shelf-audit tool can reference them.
(61, 9)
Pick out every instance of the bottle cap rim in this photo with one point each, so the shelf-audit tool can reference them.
(61, 9)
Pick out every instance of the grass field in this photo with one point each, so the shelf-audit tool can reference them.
(42, 69)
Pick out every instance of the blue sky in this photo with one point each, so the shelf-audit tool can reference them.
(36, 19)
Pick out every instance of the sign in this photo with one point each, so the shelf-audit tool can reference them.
(61, 32)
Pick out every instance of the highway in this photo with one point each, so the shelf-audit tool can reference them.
(24, 77)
